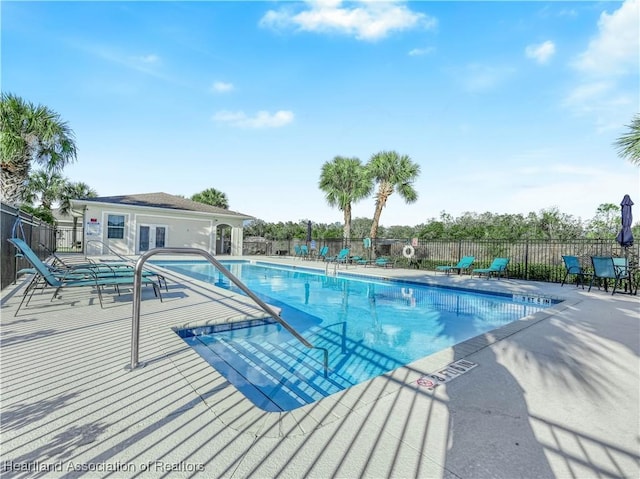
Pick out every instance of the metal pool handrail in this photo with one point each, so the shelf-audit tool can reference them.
(137, 283)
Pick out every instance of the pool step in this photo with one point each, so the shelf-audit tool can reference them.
(274, 377)
(284, 375)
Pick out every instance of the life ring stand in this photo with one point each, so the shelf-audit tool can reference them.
(408, 251)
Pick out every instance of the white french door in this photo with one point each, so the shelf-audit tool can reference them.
(151, 236)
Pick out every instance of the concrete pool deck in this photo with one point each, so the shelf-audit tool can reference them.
(556, 394)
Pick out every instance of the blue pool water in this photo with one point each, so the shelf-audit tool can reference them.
(369, 326)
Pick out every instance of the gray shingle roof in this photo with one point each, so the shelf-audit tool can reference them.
(164, 200)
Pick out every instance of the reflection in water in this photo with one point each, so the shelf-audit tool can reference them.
(307, 289)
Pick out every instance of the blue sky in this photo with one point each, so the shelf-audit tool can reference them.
(508, 107)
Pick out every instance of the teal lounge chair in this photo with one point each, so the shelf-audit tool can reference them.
(360, 260)
(464, 264)
(498, 267)
(621, 264)
(572, 266)
(625, 272)
(104, 270)
(322, 254)
(605, 268)
(341, 257)
(381, 262)
(72, 278)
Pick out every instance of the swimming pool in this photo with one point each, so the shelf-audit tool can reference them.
(370, 327)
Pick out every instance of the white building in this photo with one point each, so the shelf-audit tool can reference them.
(133, 224)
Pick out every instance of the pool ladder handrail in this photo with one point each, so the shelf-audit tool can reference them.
(137, 284)
(335, 268)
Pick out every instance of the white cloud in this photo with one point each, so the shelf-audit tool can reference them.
(616, 47)
(150, 64)
(541, 53)
(478, 77)
(582, 96)
(533, 187)
(262, 119)
(366, 20)
(421, 51)
(148, 59)
(222, 87)
(610, 106)
(606, 88)
(565, 186)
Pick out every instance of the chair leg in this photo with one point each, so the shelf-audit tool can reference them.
(55, 293)
(100, 296)
(24, 296)
(162, 279)
(564, 279)
(617, 281)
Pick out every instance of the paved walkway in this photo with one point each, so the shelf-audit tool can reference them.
(556, 394)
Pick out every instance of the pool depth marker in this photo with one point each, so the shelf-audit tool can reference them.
(446, 374)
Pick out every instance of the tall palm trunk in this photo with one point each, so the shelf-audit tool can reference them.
(12, 180)
(385, 191)
(347, 226)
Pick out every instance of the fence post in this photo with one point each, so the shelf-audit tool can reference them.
(526, 259)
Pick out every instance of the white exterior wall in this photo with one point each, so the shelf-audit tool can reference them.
(183, 229)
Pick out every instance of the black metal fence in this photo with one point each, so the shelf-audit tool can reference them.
(69, 239)
(34, 231)
(536, 260)
(539, 260)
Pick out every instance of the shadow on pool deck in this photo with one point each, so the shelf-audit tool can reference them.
(557, 396)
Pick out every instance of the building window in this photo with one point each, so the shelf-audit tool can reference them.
(115, 227)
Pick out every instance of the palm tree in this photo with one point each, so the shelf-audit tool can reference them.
(629, 144)
(74, 191)
(345, 181)
(30, 133)
(212, 197)
(47, 185)
(392, 172)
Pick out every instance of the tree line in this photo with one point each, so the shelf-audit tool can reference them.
(546, 224)
(36, 145)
